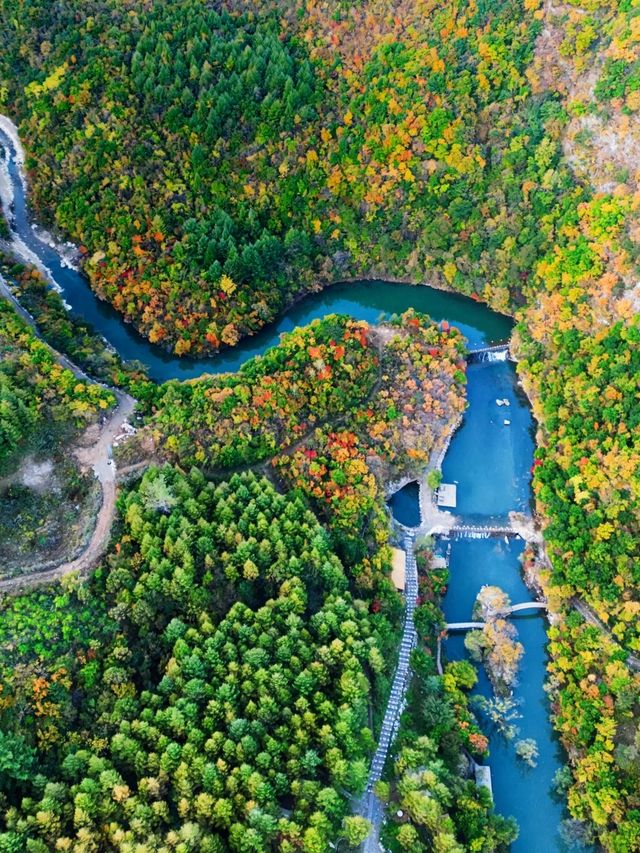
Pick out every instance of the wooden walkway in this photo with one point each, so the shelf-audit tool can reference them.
(370, 805)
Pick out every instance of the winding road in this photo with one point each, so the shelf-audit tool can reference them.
(96, 457)
(589, 616)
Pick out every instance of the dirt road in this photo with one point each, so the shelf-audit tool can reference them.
(98, 458)
(589, 616)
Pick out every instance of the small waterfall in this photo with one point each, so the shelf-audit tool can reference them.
(484, 355)
(471, 534)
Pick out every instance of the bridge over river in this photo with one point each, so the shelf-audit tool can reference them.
(506, 611)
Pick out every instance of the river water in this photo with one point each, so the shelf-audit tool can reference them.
(490, 462)
(488, 459)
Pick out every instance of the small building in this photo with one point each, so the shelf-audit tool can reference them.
(399, 568)
(447, 495)
(483, 776)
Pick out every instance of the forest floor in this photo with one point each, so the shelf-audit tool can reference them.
(600, 144)
(31, 473)
(48, 508)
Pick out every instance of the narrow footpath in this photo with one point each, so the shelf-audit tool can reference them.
(633, 662)
(370, 805)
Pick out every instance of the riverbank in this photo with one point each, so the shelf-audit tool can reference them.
(41, 305)
(68, 250)
(14, 191)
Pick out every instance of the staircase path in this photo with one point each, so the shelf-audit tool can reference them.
(370, 805)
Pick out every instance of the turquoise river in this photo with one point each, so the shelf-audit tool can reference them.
(489, 460)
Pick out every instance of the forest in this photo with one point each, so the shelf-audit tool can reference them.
(337, 410)
(218, 681)
(213, 163)
(46, 407)
(225, 672)
(236, 157)
(66, 333)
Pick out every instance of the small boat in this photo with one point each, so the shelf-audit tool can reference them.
(506, 422)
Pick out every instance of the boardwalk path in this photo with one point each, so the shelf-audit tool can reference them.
(370, 806)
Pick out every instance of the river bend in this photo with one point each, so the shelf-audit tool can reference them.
(488, 459)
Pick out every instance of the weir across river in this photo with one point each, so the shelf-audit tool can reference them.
(483, 530)
(493, 352)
